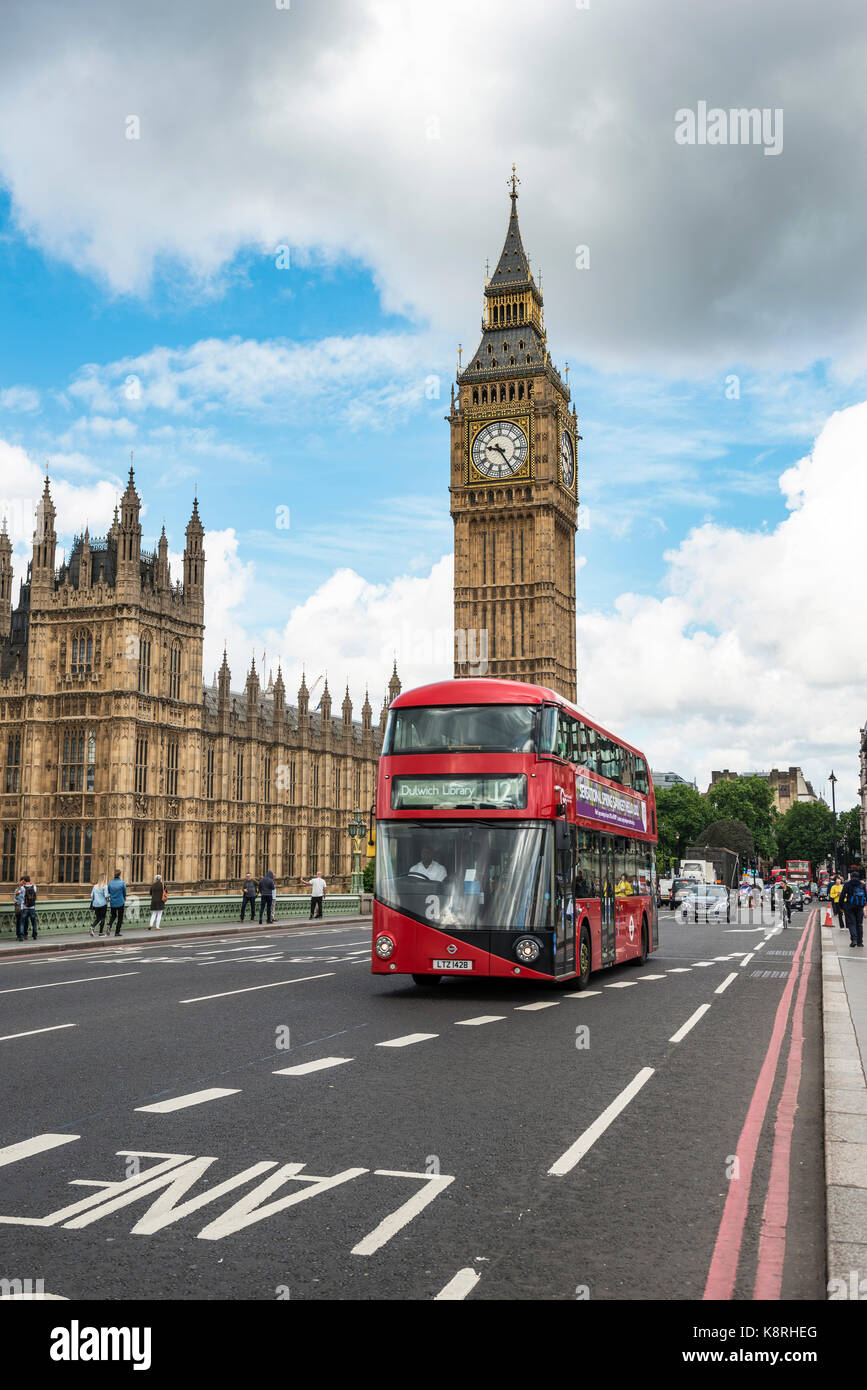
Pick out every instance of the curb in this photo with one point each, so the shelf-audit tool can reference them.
(146, 938)
(845, 1132)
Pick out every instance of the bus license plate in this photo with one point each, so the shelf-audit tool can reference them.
(452, 964)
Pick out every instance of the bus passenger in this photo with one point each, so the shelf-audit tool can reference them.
(623, 887)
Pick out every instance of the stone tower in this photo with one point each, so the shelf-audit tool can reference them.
(514, 489)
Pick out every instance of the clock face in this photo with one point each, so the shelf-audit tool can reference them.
(500, 449)
(567, 458)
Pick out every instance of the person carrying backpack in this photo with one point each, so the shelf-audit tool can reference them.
(28, 909)
(853, 900)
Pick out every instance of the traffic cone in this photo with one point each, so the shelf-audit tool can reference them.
(828, 921)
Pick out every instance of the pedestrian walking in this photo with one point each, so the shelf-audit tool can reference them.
(99, 903)
(834, 894)
(318, 889)
(267, 889)
(117, 902)
(28, 908)
(159, 897)
(853, 901)
(248, 897)
(19, 907)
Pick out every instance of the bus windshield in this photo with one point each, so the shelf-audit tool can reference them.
(461, 728)
(469, 876)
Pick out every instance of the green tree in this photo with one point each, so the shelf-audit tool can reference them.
(849, 832)
(681, 815)
(729, 834)
(806, 831)
(368, 876)
(750, 800)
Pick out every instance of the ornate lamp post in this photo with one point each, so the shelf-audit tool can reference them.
(357, 831)
(833, 780)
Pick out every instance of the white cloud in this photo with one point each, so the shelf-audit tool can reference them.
(21, 399)
(21, 485)
(382, 132)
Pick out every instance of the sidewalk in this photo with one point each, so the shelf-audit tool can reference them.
(140, 936)
(844, 1013)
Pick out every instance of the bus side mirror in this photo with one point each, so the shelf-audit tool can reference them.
(562, 835)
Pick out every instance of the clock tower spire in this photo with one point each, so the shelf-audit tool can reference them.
(514, 489)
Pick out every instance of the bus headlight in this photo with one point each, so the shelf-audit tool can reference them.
(384, 947)
(527, 949)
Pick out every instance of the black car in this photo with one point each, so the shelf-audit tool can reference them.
(679, 888)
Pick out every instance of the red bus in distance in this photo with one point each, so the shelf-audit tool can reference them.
(798, 871)
(514, 837)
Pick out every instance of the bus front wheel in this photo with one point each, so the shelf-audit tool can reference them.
(584, 958)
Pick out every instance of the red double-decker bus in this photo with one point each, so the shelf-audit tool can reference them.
(514, 838)
(798, 871)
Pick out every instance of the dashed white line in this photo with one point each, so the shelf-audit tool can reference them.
(30, 1033)
(250, 989)
(408, 1039)
(680, 970)
(463, 1283)
(39, 1144)
(476, 1022)
(690, 1023)
(746, 960)
(583, 994)
(305, 1068)
(650, 977)
(573, 1155)
(726, 982)
(705, 962)
(544, 1004)
(55, 984)
(621, 984)
(165, 1107)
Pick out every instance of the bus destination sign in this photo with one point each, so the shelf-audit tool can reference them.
(456, 793)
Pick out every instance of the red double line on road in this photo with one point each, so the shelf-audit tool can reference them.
(724, 1264)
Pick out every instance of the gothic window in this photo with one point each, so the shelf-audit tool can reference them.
(90, 762)
(237, 857)
(209, 772)
(505, 347)
(520, 390)
(315, 797)
(82, 653)
(521, 311)
(170, 860)
(138, 853)
(512, 389)
(175, 671)
(289, 855)
(358, 784)
(141, 766)
(7, 866)
(72, 760)
(238, 778)
(264, 848)
(502, 393)
(528, 356)
(144, 664)
(208, 852)
(521, 341)
(74, 848)
(172, 767)
(490, 349)
(475, 395)
(484, 395)
(493, 361)
(266, 788)
(511, 361)
(13, 763)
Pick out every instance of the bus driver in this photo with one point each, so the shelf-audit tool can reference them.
(428, 867)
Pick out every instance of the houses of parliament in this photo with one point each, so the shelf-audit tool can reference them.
(115, 754)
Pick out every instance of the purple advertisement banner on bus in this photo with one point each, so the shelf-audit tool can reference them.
(610, 805)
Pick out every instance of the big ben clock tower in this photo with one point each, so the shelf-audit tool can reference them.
(514, 490)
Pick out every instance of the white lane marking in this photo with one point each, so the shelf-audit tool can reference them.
(165, 1107)
(680, 970)
(746, 960)
(761, 945)
(726, 982)
(251, 988)
(55, 984)
(307, 1067)
(650, 977)
(404, 1214)
(583, 994)
(573, 1155)
(705, 962)
(545, 1004)
(620, 984)
(482, 1018)
(30, 1033)
(38, 1145)
(407, 1040)
(722, 957)
(463, 1283)
(690, 1023)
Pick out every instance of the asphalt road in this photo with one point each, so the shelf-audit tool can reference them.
(532, 1143)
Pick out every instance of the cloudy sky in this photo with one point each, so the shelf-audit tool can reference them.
(245, 239)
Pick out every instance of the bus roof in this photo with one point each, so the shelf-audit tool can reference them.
(474, 690)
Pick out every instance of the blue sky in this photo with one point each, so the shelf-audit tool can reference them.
(715, 330)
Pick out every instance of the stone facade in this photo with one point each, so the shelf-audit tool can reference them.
(514, 490)
(114, 755)
(788, 785)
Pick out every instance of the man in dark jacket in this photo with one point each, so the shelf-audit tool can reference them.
(267, 889)
(853, 900)
(117, 903)
(248, 896)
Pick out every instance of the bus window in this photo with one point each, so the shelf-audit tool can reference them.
(608, 754)
(641, 782)
(625, 778)
(587, 865)
(587, 746)
(625, 867)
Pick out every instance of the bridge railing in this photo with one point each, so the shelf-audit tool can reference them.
(57, 916)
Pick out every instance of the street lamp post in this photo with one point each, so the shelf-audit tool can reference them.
(357, 831)
(833, 780)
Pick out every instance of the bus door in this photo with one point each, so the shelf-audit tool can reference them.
(564, 868)
(608, 930)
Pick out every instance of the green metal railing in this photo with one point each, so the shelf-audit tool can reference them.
(76, 915)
